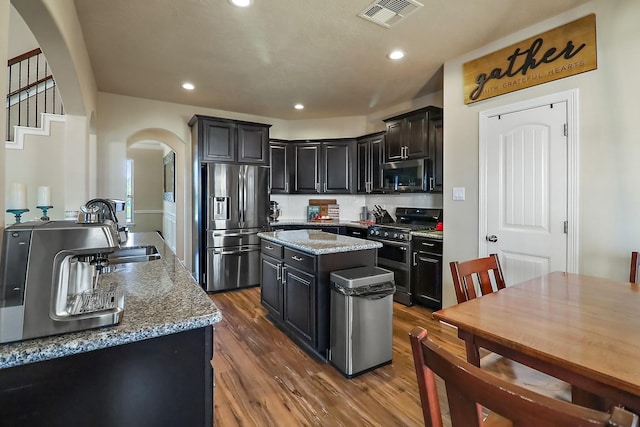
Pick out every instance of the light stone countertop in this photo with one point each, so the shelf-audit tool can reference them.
(318, 242)
(341, 223)
(161, 298)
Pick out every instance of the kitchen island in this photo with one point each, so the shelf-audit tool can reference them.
(295, 286)
(153, 368)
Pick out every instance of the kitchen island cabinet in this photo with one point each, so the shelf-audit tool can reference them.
(153, 368)
(295, 286)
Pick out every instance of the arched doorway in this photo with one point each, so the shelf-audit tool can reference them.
(173, 212)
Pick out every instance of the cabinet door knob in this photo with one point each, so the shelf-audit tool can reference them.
(492, 238)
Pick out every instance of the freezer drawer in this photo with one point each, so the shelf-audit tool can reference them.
(233, 267)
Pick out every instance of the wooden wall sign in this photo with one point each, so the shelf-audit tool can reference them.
(555, 54)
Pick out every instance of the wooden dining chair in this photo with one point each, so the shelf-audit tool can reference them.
(485, 274)
(485, 271)
(469, 387)
(633, 277)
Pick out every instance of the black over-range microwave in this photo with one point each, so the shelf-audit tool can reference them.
(407, 176)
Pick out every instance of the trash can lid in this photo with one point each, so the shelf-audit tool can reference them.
(360, 276)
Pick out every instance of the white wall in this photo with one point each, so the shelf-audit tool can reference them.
(609, 151)
(4, 42)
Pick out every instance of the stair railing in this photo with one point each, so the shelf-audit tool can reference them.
(32, 91)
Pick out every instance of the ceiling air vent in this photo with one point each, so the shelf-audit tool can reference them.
(389, 12)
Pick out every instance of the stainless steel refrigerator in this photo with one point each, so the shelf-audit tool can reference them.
(236, 202)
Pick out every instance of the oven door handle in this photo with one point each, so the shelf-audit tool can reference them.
(400, 245)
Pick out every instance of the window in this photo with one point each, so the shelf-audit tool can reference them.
(128, 208)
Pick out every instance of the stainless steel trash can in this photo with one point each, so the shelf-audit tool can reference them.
(361, 319)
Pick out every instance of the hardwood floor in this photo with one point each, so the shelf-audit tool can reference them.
(263, 379)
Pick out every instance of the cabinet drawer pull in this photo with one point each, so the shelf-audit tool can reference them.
(269, 248)
(296, 258)
(428, 244)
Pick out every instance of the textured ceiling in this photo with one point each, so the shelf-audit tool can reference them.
(264, 59)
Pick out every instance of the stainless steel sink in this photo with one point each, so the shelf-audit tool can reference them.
(133, 254)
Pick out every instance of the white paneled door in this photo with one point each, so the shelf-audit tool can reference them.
(526, 190)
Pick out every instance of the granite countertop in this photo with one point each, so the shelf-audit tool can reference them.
(318, 242)
(342, 223)
(161, 298)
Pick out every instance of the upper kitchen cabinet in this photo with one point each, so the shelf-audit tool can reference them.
(322, 166)
(337, 158)
(225, 140)
(436, 150)
(306, 167)
(279, 153)
(408, 135)
(370, 154)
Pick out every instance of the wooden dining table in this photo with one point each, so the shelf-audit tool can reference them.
(581, 329)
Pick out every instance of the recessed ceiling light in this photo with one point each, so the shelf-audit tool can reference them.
(396, 54)
(298, 106)
(241, 3)
(188, 86)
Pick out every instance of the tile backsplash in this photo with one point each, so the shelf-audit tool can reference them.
(294, 206)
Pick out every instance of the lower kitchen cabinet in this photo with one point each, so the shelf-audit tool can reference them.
(295, 290)
(300, 303)
(271, 284)
(161, 381)
(426, 274)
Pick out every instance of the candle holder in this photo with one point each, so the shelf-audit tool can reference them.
(18, 213)
(44, 210)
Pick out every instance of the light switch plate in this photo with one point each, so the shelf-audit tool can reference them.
(458, 193)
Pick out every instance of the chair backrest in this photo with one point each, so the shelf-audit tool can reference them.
(634, 267)
(468, 387)
(464, 273)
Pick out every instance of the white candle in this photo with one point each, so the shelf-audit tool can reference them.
(17, 196)
(44, 196)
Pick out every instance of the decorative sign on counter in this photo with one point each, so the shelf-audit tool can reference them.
(562, 52)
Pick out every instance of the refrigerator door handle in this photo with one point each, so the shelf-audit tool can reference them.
(241, 197)
(235, 251)
(238, 234)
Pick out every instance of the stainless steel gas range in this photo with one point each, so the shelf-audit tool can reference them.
(396, 252)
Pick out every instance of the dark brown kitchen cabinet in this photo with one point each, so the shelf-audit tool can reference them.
(300, 303)
(279, 175)
(288, 290)
(103, 387)
(322, 166)
(408, 135)
(436, 151)
(306, 167)
(271, 284)
(295, 291)
(253, 144)
(370, 154)
(226, 140)
(426, 273)
(337, 158)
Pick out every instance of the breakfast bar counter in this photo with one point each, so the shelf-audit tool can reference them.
(318, 242)
(153, 368)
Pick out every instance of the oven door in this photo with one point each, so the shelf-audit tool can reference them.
(395, 257)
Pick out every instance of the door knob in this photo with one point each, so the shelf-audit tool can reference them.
(493, 238)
